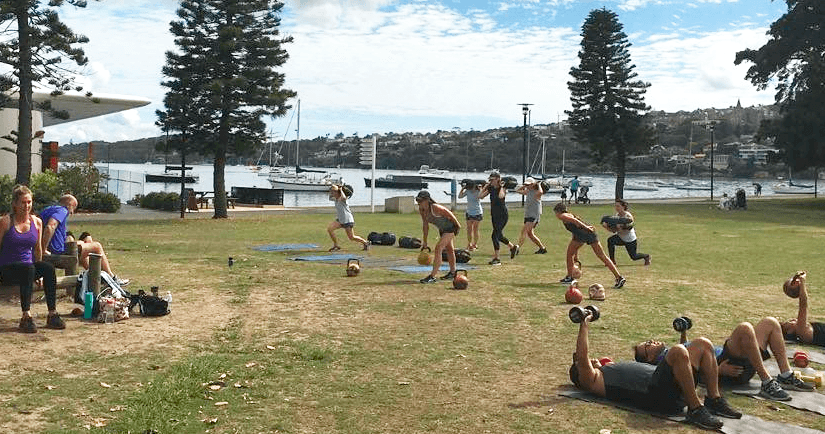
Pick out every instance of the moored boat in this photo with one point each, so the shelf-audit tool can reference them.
(398, 181)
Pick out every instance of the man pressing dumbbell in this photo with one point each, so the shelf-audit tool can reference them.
(743, 354)
(799, 329)
(666, 387)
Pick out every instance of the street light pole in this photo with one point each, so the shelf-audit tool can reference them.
(709, 124)
(525, 110)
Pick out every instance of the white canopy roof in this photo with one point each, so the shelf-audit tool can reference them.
(83, 107)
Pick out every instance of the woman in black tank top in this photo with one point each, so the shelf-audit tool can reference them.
(498, 215)
(448, 226)
(583, 234)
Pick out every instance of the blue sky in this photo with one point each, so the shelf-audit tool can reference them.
(364, 66)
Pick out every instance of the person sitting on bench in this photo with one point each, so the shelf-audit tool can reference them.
(742, 356)
(799, 329)
(665, 388)
(55, 219)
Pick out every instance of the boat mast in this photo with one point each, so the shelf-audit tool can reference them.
(298, 138)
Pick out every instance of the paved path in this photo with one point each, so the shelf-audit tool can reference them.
(129, 212)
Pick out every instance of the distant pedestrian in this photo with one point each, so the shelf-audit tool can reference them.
(532, 213)
(625, 234)
(564, 194)
(448, 227)
(757, 189)
(583, 233)
(574, 189)
(343, 217)
(498, 214)
(474, 213)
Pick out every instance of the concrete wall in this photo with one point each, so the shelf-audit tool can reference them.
(8, 160)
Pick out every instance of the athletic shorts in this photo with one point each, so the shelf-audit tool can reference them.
(584, 236)
(531, 220)
(477, 218)
(748, 370)
(346, 225)
(453, 229)
(665, 394)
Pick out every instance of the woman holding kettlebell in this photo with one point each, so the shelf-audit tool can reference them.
(499, 215)
(448, 226)
(343, 217)
(583, 233)
(474, 214)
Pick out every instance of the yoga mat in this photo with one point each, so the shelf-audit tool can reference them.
(748, 424)
(814, 354)
(811, 401)
(427, 268)
(284, 247)
(336, 258)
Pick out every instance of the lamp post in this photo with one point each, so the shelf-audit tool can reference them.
(525, 110)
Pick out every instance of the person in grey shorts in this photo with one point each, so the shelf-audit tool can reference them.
(532, 192)
(474, 213)
(343, 217)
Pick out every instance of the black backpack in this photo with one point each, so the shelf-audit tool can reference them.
(461, 256)
(409, 243)
(383, 239)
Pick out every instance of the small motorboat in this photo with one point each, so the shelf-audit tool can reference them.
(792, 188)
(397, 181)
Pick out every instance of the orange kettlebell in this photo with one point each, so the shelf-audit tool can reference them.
(460, 281)
(353, 267)
(425, 257)
(573, 295)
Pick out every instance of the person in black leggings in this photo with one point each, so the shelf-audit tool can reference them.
(498, 214)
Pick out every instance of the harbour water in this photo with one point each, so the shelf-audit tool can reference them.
(128, 180)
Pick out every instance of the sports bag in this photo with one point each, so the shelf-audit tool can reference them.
(461, 256)
(409, 243)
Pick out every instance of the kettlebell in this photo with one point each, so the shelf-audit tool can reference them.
(573, 295)
(425, 257)
(353, 267)
(800, 359)
(460, 281)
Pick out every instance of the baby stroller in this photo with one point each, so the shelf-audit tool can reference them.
(582, 197)
(739, 202)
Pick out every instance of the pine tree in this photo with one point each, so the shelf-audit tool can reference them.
(223, 80)
(794, 59)
(42, 41)
(608, 104)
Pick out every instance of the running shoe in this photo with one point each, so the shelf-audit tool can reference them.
(366, 246)
(541, 251)
(773, 391)
(647, 260)
(790, 382)
(495, 261)
(334, 248)
(719, 406)
(567, 279)
(428, 279)
(53, 321)
(27, 325)
(513, 251)
(620, 281)
(448, 276)
(121, 282)
(701, 417)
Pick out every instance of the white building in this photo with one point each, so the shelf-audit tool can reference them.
(78, 106)
(759, 153)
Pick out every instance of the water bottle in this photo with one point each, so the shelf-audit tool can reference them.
(109, 311)
(88, 303)
(168, 299)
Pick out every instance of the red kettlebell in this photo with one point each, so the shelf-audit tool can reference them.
(573, 295)
(460, 281)
(800, 359)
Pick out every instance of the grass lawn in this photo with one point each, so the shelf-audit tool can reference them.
(274, 345)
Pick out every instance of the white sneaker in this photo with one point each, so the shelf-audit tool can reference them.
(121, 282)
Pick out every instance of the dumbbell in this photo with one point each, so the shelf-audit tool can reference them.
(578, 314)
(682, 323)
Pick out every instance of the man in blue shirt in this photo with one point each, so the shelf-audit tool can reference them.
(55, 226)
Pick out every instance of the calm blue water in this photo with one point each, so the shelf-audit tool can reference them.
(127, 180)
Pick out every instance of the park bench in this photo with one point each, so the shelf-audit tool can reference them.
(69, 263)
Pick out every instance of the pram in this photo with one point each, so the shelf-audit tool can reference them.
(739, 202)
(582, 196)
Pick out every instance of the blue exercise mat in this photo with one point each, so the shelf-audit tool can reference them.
(326, 258)
(284, 247)
(426, 268)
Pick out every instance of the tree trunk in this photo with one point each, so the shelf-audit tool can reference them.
(620, 170)
(219, 184)
(24, 114)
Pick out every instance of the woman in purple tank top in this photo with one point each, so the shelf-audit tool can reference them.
(21, 257)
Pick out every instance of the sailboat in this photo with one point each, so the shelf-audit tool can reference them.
(302, 179)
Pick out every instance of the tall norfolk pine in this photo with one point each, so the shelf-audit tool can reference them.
(608, 104)
(223, 79)
(794, 60)
(42, 41)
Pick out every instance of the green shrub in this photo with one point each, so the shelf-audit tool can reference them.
(46, 188)
(161, 201)
(6, 184)
(99, 202)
